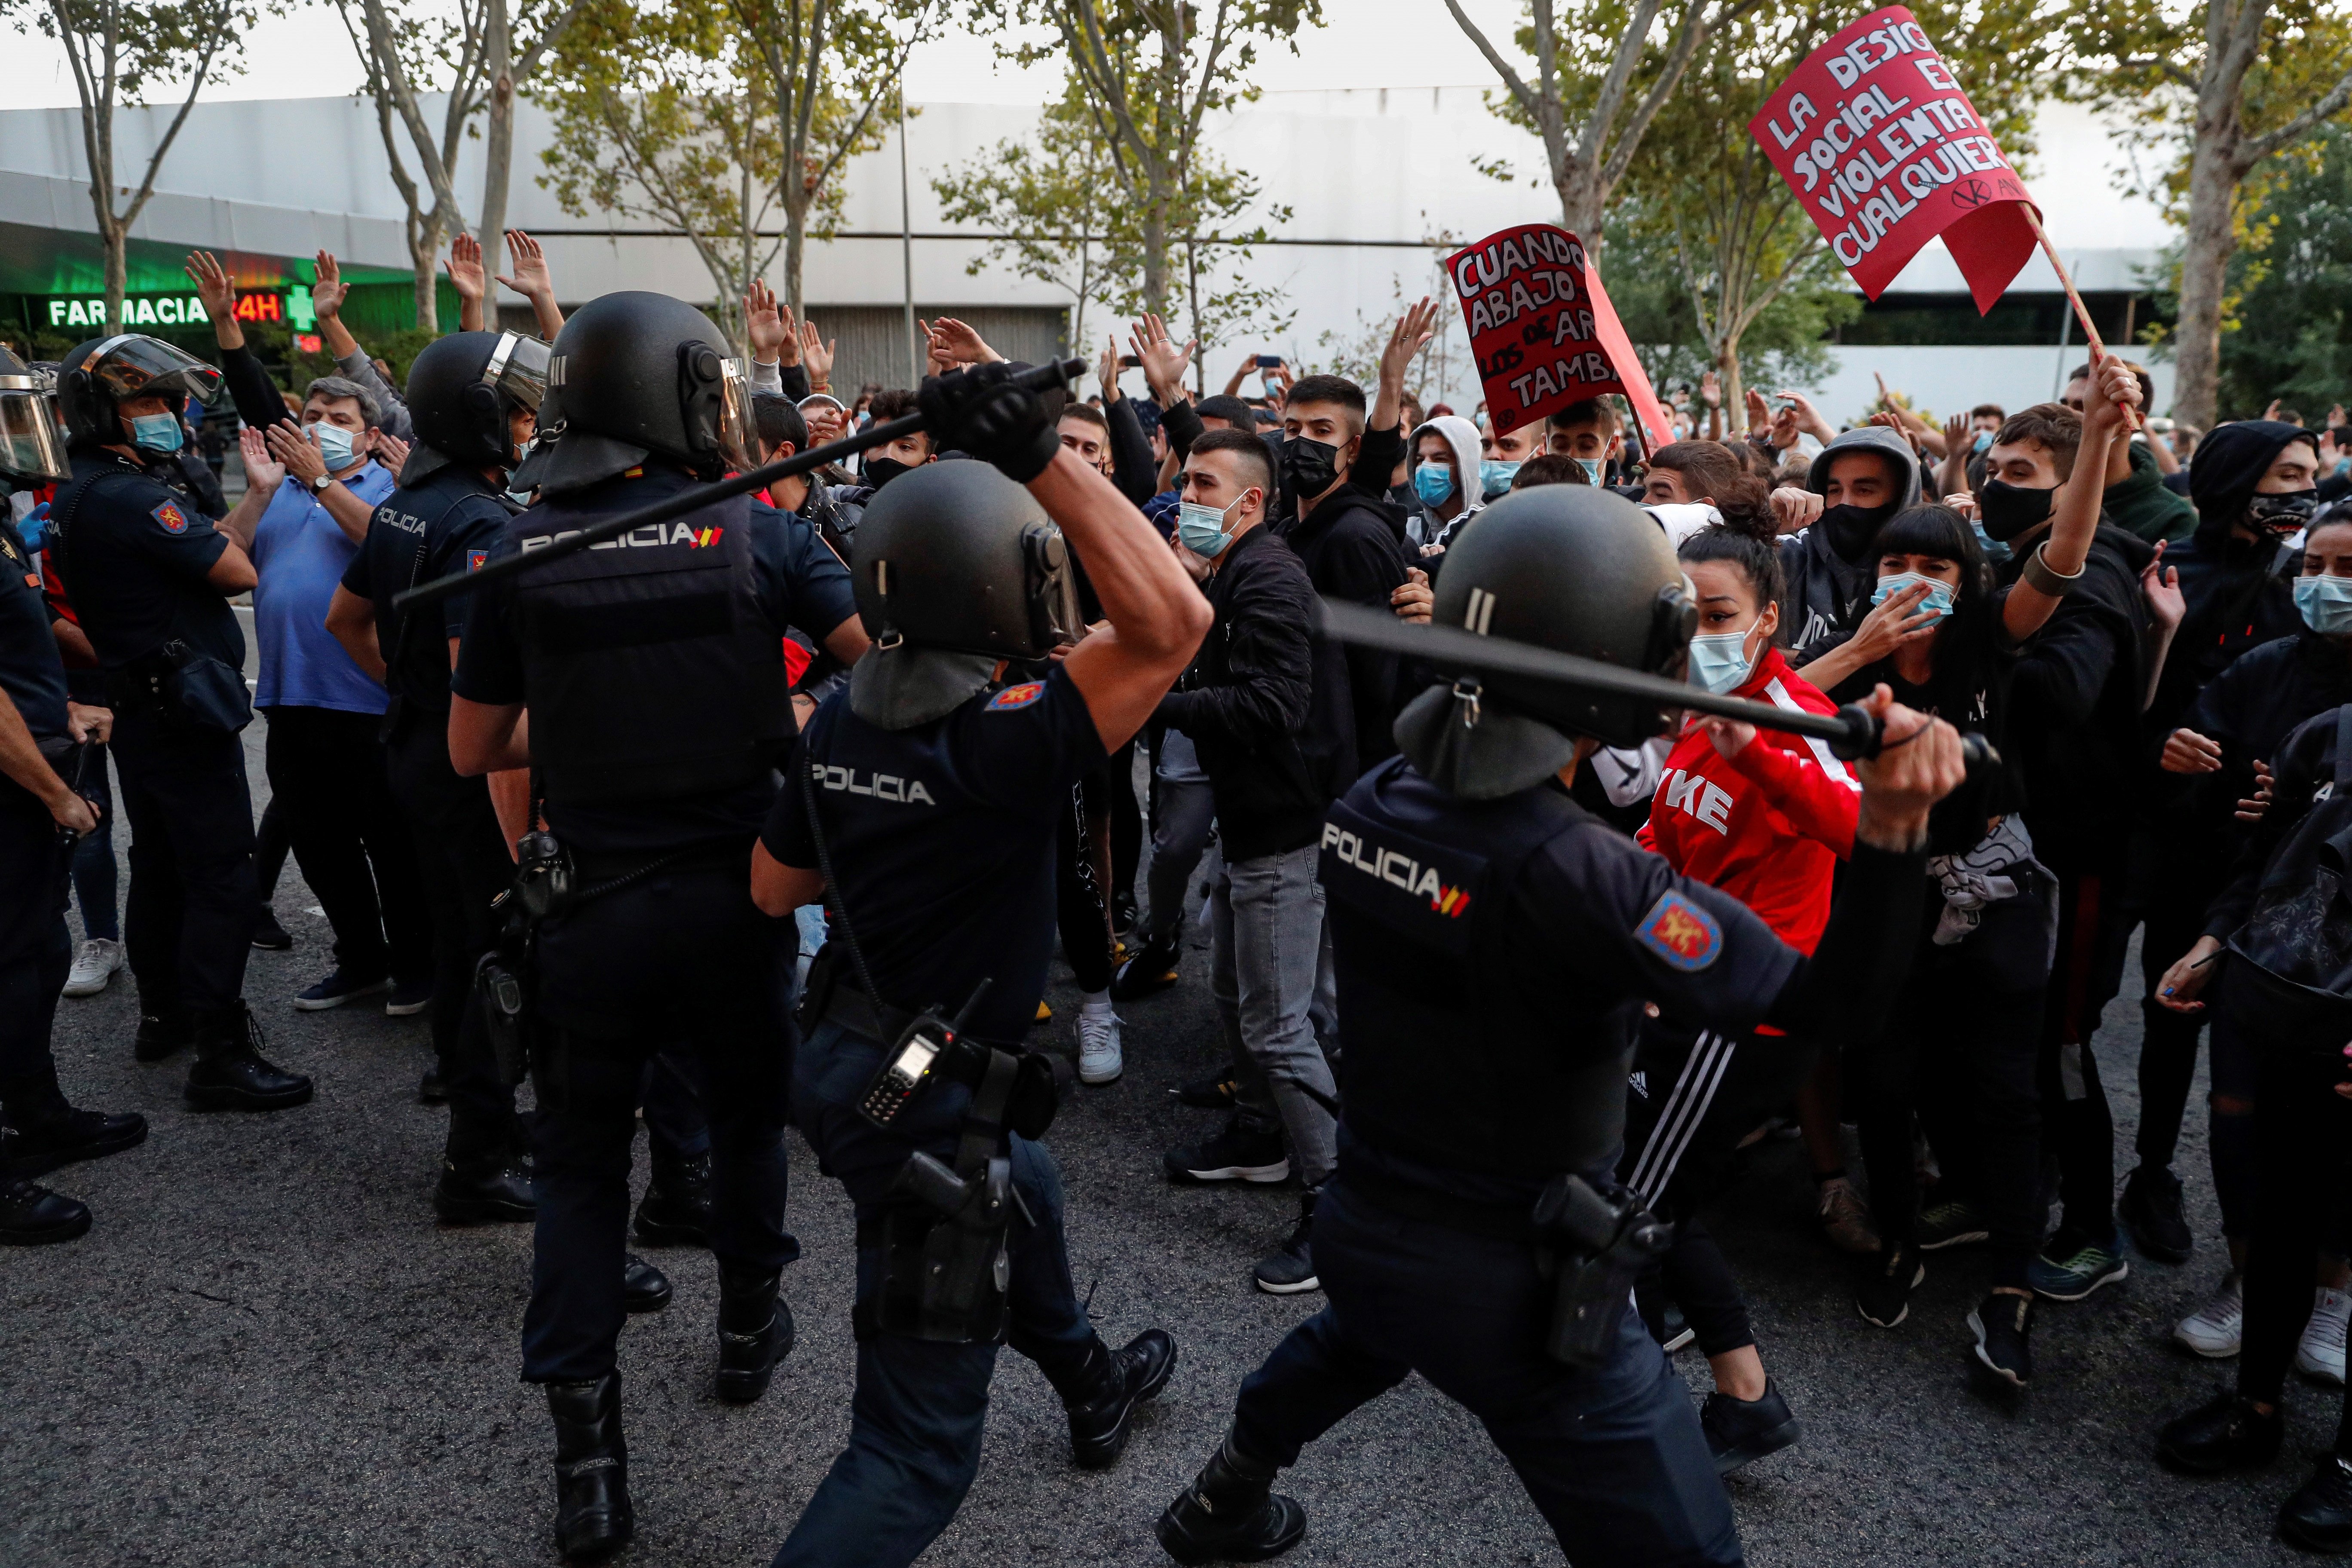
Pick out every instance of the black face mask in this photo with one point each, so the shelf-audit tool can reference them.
(2008, 511)
(1851, 527)
(880, 472)
(1309, 467)
(2281, 513)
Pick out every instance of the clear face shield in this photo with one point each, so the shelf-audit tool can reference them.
(32, 438)
(134, 366)
(517, 376)
(735, 439)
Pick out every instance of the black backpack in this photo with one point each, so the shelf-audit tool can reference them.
(2294, 952)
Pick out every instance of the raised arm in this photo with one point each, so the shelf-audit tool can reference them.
(2074, 515)
(533, 282)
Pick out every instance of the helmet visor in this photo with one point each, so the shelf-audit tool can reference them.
(32, 441)
(518, 369)
(133, 364)
(735, 443)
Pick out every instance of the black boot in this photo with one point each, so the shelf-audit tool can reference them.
(484, 1191)
(165, 1028)
(50, 1133)
(643, 1287)
(1101, 1400)
(2226, 1433)
(676, 1209)
(432, 1088)
(593, 1519)
(34, 1216)
(1153, 968)
(755, 1332)
(2318, 1517)
(1231, 1514)
(230, 1073)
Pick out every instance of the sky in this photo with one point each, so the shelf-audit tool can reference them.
(307, 54)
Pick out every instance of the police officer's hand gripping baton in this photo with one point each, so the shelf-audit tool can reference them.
(1035, 380)
(1851, 731)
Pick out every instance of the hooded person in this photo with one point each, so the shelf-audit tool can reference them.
(1443, 499)
(1866, 475)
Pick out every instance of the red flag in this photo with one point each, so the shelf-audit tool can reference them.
(1886, 151)
(1543, 332)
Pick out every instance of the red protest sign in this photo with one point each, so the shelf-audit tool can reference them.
(1542, 330)
(1886, 151)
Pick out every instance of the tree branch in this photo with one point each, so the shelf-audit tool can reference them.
(2256, 149)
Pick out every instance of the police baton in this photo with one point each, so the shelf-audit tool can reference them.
(1037, 379)
(1851, 732)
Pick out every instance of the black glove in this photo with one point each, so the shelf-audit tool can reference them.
(979, 411)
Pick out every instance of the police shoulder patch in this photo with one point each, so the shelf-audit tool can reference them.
(1680, 932)
(474, 559)
(1019, 696)
(171, 517)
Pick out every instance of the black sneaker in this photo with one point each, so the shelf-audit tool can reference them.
(1742, 1431)
(1290, 1270)
(2150, 1210)
(1153, 968)
(2225, 1433)
(1215, 1092)
(432, 1088)
(337, 989)
(408, 998)
(65, 1135)
(1946, 1222)
(2319, 1517)
(2003, 1326)
(267, 934)
(1235, 1154)
(1883, 1297)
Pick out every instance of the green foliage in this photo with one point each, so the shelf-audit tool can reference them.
(1785, 345)
(2294, 285)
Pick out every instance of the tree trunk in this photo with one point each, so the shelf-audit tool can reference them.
(498, 145)
(118, 270)
(1155, 253)
(795, 248)
(1726, 370)
(2204, 267)
(424, 257)
(1581, 200)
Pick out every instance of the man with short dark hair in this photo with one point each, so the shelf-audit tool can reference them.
(882, 463)
(1686, 473)
(1587, 432)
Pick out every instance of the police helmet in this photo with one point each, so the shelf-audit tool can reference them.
(105, 371)
(32, 441)
(637, 376)
(462, 392)
(1568, 567)
(954, 556)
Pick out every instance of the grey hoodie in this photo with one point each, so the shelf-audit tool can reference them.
(1830, 571)
(1422, 528)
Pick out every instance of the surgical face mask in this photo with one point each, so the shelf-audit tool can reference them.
(1983, 443)
(2282, 513)
(1937, 602)
(2326, 604)
(334, 444)
(156, 432)
(1996, 551)
(1721, 661)
(1201, 528)
(2010, 510)
(1311, 466)
(1495, 476)
(1432, 482)
(1591, 467)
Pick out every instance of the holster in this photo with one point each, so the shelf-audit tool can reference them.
(1592, 1247)
(946, 1263)
(506, 989)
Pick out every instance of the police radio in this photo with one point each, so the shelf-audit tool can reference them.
(916, 1055)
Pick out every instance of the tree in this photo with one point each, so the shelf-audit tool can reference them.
(505, 73)
(659, 115)
(833, 68)
(1146, 73)
(1042, 203)
(1786, 344)
(116, 50)
(2225, 88)
(1590, 75)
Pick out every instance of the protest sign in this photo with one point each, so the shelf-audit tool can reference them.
(1885, 153)
(1543, 332)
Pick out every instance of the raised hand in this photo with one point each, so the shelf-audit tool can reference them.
(391, 451)
(262, 471)
(1794, 507)
(1164, 363)
(2114, 398)
(293, 451)
(328, 290)
(1407, 338)
(964, 341)
(530, 278)
(213, 287)
(1710, 389)
(769, 326)
(464, 267)
(1106, 372)
(816, 353)
(1759, 415)
(2160, 586)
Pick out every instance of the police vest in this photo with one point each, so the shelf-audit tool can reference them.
(653, 670)
(416, 658)
(1454, 1060)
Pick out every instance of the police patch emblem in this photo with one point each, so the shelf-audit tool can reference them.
(474, 559)
(1681, 932)
(1019, 696)
(173, 520)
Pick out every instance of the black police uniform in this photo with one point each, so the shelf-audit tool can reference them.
(452, 522)
(1492, 958)
(653, 669)
(36, 950)
(135, 557)
(942, 836)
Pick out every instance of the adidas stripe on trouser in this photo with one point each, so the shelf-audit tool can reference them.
(1707, 1090)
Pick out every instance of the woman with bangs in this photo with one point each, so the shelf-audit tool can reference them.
(1962, 1045)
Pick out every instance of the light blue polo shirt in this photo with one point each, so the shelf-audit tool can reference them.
(300, 554)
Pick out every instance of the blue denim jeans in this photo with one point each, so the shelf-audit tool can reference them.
(1265, 924)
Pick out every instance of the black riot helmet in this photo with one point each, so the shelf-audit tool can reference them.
(1568, 567)
(640, 375)
(955, 557)
(462, 392)
(104, 372)
(32, 440)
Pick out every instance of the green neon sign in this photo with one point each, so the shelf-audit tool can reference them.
(88, 311)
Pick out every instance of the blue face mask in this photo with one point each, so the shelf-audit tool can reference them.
(1937, 602)
(2326, 604)
(1591, 467)
(1984, 441)
(1996, 550)
(1432, 482)
(1495, 476)
(1201, 528)
(1721, 661)
(156, 432)
(334, 444)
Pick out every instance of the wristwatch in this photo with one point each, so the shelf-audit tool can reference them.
(319, 486)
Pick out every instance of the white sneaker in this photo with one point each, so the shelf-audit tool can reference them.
(1099, 1058)
(99, 958)
(2321, 1353)
(2215, 1329)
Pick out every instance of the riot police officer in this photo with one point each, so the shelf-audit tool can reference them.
(151, 581)
(924, 803)
(475, 398)
(1493, 945)
(45, 742)
(654, 675)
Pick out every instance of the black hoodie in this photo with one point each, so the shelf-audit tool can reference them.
(1353, 548)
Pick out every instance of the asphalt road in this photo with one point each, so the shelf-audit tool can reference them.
(265, 1353)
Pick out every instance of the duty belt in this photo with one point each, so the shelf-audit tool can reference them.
(1512, 1222)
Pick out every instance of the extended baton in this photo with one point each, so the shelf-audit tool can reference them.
(1037, 379)
(1851, 731)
